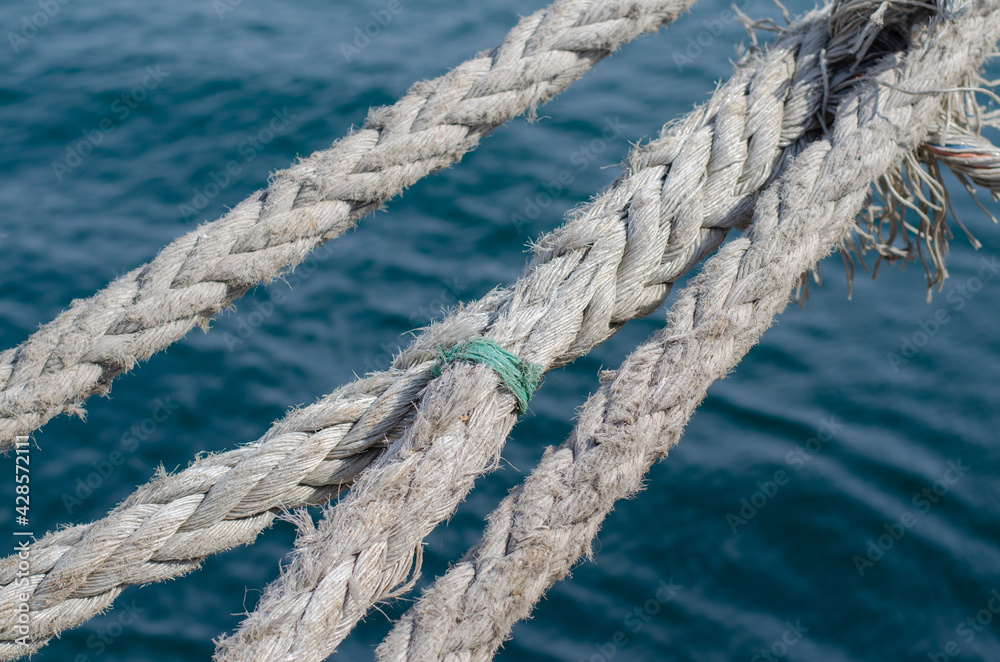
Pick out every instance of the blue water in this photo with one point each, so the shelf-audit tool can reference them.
(785, 569)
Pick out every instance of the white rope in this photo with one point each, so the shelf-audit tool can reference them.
(80, 352)
(615, 260)
(168, 526)
(546, 524)
(367, 545)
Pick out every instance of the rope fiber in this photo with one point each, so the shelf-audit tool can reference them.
(549, 521)
(81, 352)
(413, 439)
(367, 546)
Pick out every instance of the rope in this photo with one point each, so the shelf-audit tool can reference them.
(547, 523)
(519, 377)
(81, 352)
(613, 261)
(368, 544)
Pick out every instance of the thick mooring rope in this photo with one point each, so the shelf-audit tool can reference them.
(674, 202)
(540, 530)
(365, 547)
(80, 352)
(167, 527)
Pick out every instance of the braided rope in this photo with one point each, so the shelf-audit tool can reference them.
(365, 547)
(549, 521)
(711, 163)
(81, 352)
(266, 469)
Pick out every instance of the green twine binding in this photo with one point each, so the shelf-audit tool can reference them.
(519, 377)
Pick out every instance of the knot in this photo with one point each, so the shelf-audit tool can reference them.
(519, 377)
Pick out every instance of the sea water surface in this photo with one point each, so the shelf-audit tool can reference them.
(792, 469)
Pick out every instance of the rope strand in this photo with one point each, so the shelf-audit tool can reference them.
(366, 544)
(81, 352)
(549, 521)
(715, 159)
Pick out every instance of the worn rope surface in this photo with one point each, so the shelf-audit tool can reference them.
(368, 544)
(96, 339)
(546, 524)
(674, 202)
(168, 526)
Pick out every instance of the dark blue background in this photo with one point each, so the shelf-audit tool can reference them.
(451, 238)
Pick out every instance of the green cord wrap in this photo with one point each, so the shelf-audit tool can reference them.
(519, 377)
